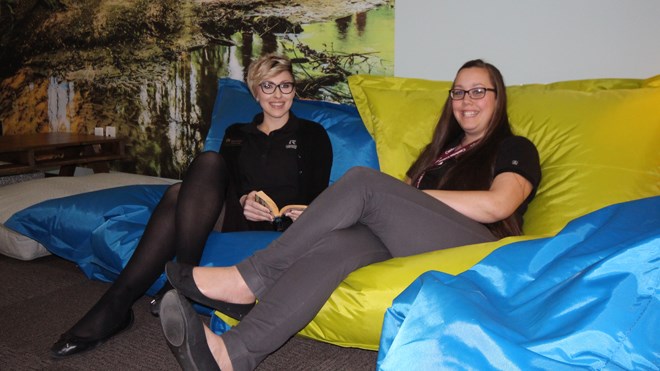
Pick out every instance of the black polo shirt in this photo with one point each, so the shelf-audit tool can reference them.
(515, 154)
(269, 162)
(292, 165)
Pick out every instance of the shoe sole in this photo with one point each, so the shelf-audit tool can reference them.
(177, 318)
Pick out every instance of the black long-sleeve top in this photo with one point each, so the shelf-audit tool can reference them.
(292, 165)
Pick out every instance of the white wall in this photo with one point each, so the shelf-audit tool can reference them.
(529, 40)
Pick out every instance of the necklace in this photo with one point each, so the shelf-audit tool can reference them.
(444, 156)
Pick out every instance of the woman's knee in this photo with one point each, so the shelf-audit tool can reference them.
(210, 157)
(360, 175)
(207, 168)
(360, 172)
(360, 179)
(208, 160)
(171, 195)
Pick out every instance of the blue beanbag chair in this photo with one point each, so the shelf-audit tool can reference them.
(351, 143)
(587, 298)
(100, 230)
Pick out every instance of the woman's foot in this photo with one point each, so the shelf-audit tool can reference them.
(181, 278)
(185, 333)
(69, 344)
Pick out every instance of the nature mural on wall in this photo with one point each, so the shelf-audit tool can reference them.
(150, 67)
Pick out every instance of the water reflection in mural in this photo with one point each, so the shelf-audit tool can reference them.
(165, 108)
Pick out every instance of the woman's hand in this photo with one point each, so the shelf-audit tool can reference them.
(294, 214)
(253, 210)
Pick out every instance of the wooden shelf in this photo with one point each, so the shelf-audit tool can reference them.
(27, 153)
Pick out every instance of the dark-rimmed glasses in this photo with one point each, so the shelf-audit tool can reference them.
(269, 87)
(475, 93)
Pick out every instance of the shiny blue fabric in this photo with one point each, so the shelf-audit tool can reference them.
(586, 298)
(100, 230)
(97, 230)
(351, 143)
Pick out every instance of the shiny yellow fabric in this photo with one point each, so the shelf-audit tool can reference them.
(353, 315)
(597, 148)
(597, 138)
(598, 142)
(400, 115)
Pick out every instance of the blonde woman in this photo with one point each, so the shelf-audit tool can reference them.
(287, 157)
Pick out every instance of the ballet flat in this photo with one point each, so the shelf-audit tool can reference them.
(184, 333)
(181, 278)
(69, 344)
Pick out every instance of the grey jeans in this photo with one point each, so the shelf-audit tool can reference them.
(364, 218)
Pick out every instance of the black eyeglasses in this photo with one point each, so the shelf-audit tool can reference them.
(269, 87)
(476, 93)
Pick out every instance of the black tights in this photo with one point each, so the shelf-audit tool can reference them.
(179, 226)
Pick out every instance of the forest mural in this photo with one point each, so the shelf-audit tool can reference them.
(150, 67)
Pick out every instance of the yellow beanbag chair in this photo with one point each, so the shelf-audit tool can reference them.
(598, 143)
(597, 139)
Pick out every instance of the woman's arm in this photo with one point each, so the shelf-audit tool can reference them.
(321, 161)
(230, 149)
(506, 194)
(317, 164)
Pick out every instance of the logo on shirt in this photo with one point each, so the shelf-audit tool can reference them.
(233, 142)
(292, 144)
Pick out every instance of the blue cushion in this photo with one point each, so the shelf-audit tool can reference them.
(99, 231)
(351, 143)
(587, 298)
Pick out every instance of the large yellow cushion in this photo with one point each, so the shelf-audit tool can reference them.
(598, 143)
(597, 138)
(400, 115)
(353, 316)
(597, 148)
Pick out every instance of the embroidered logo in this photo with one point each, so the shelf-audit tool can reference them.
(233, 142)
(514, 162)
(292, 144)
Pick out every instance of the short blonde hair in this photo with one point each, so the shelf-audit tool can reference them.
(266, 66)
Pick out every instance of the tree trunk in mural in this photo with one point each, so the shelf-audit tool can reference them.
(150, 67)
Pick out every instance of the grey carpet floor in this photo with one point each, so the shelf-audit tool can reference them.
(40, 299)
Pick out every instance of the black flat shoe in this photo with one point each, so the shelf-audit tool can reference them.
(69, 344)
(181, 278)
(184, 333)
(154, 304)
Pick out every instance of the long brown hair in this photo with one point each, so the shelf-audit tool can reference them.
(474, 169)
